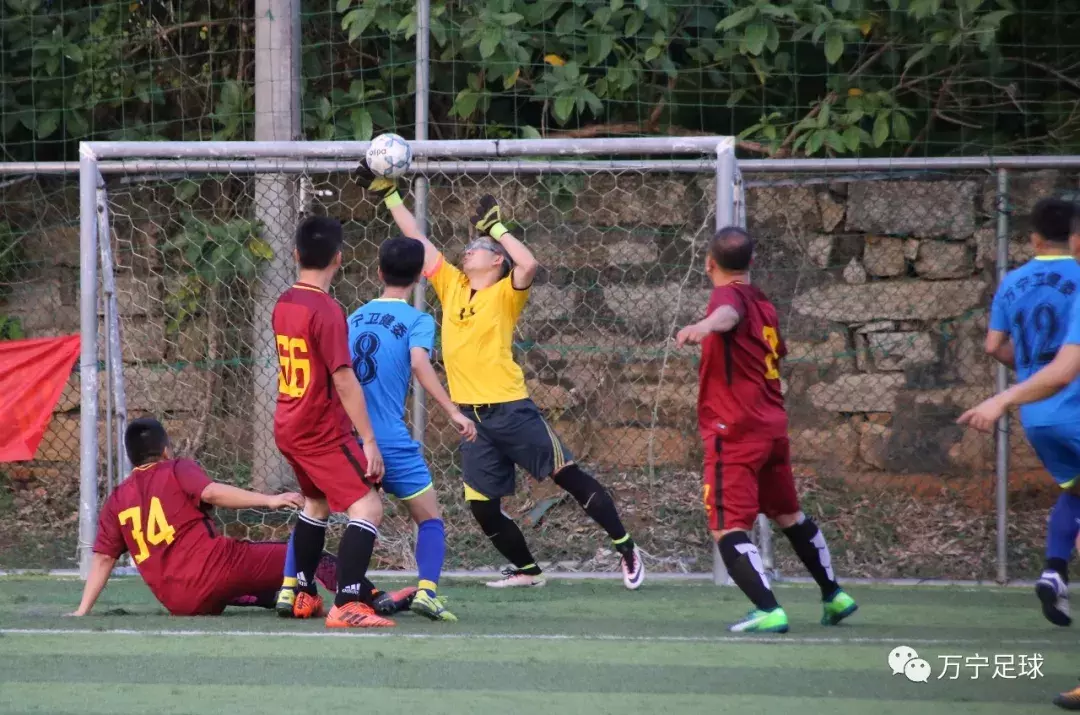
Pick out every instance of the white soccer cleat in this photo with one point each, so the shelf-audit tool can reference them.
(1054, 595)
(633, 569)
(515, 578)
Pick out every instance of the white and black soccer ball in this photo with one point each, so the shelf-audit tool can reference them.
(389, 155)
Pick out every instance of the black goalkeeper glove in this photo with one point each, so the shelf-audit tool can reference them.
(366, 178)
(488, 217)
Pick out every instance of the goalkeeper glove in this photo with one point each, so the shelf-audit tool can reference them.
(365, 177)
(488, 217)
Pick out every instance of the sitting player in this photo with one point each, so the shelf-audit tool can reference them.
(390, 341)
(1033, 327)
(319, 403)
(742, 419)
(481, 305)
(160, 513)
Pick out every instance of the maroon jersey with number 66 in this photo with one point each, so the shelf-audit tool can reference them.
(157, 514)
(313, 342)
(739, 393)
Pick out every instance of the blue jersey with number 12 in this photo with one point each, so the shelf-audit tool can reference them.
(1034, 305)
(382, 334)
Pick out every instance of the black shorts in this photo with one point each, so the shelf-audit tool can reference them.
(508, 434)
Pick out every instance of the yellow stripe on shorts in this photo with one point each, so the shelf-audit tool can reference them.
(473, 495)
(559, 459)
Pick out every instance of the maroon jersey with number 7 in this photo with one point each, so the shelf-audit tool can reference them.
(157, 514)
(739, 393)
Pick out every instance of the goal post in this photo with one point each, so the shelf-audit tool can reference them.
(173, 258)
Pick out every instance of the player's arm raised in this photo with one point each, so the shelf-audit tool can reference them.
(429, 380)
(403, 217)
(488, 220)
(721, 320)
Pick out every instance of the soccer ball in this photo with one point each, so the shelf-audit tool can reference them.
(389, 155)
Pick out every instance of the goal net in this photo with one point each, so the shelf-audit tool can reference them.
(194, 245)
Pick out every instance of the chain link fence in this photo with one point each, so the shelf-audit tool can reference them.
(882, 281)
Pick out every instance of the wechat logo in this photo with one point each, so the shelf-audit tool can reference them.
(903, 660)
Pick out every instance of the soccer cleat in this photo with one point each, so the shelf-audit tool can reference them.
(1069, 700)
(774, 621)
(633, 569)
(1054, 595)
(837, 608)
(388, 603)
(431, 607)
(307, 605)
(516, 578)
(286, 600)
(356, 615)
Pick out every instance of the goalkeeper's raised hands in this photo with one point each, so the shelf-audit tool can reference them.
(365, 177)
(488, 217)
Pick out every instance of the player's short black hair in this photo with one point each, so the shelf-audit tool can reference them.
(145, 441)
(401, 260)
(1053, 218)
(318, 240)
(732, 249)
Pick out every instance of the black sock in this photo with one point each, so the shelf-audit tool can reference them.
(744, 566)
(504, 534)
(309, 537)
(1061, 566)
(354, 556)
(810, 547)
(597, 503)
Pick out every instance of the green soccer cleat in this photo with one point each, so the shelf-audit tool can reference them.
(431, 607)
(837, 608)
(774, 621)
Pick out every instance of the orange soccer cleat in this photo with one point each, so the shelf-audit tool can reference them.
(307, 605)
(356, 615)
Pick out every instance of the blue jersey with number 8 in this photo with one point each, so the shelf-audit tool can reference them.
(382, 334)
(1034, 305)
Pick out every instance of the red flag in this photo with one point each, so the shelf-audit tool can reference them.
(32, 378)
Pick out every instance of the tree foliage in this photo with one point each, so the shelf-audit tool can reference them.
(801, 77)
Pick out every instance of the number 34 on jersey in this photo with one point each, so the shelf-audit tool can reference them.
(157, 531)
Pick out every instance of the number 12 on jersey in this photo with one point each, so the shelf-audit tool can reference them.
(158, 529)
(772, 339)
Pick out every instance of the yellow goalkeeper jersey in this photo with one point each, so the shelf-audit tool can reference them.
(478, 337)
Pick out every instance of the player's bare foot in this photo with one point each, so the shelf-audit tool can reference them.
(307, 605)
(356, 615)
(516, 578)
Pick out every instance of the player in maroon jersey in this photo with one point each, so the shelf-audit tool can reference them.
(160, 514)
(743, 423)
(319, 403)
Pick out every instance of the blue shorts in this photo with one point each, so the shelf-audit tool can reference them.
(1058, 447)
(407, 474)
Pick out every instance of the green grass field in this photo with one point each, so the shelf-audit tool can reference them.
(573, 647)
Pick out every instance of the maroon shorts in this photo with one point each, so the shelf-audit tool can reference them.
(744, 478)
(337, 475)
(234, 569)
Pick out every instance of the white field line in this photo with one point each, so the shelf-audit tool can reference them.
(746, 640)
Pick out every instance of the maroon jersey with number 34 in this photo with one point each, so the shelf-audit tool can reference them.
(157, 514)
(739, 393)
(313, 343)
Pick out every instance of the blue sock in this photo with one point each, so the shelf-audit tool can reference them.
(289, 577)
(1061, 532)
(430, 552)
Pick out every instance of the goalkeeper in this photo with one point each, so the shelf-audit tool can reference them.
(481, 304)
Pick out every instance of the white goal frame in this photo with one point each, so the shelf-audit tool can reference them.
(521, 156)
